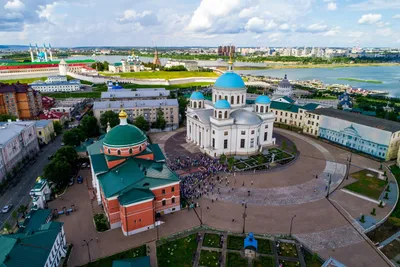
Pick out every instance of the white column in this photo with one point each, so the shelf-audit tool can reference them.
(187, 130)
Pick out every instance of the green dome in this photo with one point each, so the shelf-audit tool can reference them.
(124, 136)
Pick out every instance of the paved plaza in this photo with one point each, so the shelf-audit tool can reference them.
(275, 197)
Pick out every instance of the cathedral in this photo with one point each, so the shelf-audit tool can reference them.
(227, 125)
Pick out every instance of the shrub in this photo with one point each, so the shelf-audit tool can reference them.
(394, 221)
(101, 223)
(380, 204)
(362, 220)
(373, 212)
(388, 188)
(386, 195)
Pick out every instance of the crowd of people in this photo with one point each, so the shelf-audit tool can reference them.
(194, 182)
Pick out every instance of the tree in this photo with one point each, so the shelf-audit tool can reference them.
(22, 209)
(73, 137)
(109, 116)
(57, 127)
(89, 126)
(182, 102)
(6, 117)
(260, 159)
(231, 161)
(160, 121)
(15, 214)
(141, 123)
(7, 227)
(222, 158)
(67, 154)
(58, 172)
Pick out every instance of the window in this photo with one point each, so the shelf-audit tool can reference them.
(285, 114)
(226, 114)
(173, 200)
(213, 132)
(252, 142)
(261, 109)
(256, 108)
(281, 113)
(195, 104)
(242, 142)
(164, 202)
(215, 114)
(243, 132)
(213, 142)
(163, 191)
(119, 152)
(265, 136)
(226, 133)
(226, 98)
(238, 99)
(173, 189)
(225, 143)
(219, 97)
(266, 109)
(301, 117)
(130, 150)
(140, 148)
(40, 132)
(252, 131)
(266, 126)
(232, 99)
(242, 99)
(199, 104)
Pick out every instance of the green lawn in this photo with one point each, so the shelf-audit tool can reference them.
(74, 95)
(264, 261)
(162, 74)
(396, 172)
(287, 250)
(264, 246)
(177, 253)
(233, 259)
(310, 262)
(211, 240)
(132, 253)
(289, 263)
(235, 242)
(28, 80)
(209, 258)
(366, 185)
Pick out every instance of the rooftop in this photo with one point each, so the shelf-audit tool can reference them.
(10, 130)
(134, 94)
(374, 122)
(42, 123)
(135, 104)
(230, 80)
(50, 62)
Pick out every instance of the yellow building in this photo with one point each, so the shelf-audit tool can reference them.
(45, 131)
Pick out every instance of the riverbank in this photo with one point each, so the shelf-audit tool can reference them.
(359, 80)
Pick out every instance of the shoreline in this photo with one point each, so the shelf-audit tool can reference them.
(315, 66)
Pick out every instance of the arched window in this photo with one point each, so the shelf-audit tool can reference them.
(219, 97)
(238, 100)
(226, 114)
(130, 151)
(109, 151)
(242, 99)
(226, 98)
(266, 109)
(200, 104)
(215, 113)
(119, 152)
(215, 97)
(140, 148)
(256, 108)
(262, 109)
(194, 104)
(232, 100)
(220, 114)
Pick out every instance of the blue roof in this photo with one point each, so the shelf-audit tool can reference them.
(197, 96)
(263, 99)
(230, 80)
(222, 103)
(250, 241)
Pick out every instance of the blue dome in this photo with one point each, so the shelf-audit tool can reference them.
(263, 99)
(41, 54)
(197, 96)
(230, 80)
(222, 103)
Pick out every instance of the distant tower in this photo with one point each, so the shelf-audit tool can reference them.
(37, 50)
(31, 52)
(63, 67)
(51, 53)
(156, 60)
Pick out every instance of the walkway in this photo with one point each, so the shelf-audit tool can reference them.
(389, 240)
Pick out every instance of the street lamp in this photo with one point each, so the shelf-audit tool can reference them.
(329, 185)
(244, 219)
(87, 245)
(291, 224)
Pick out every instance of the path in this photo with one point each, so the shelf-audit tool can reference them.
(389, 240)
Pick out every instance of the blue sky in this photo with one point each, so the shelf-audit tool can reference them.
(201, 22)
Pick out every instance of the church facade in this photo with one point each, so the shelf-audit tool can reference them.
(227, 125)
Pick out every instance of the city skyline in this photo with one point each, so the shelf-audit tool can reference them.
(323, 23)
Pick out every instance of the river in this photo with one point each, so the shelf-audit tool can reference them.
(388, 75)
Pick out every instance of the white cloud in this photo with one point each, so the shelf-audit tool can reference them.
(385, 32)
(375, 5)
(13, 15)
(317, 27)
(14, 5)
(332, 6)
(396, 16)
(284, 27)
(355, 34)
(48, 12)
(332, 32)
(382, 24)
(370, 19)
(209, 11)
(248, 12)
(259, 25)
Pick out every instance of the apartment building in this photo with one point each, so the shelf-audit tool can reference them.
(291, 114)
(20, 100)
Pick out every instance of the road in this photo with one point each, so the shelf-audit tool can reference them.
(19, 194)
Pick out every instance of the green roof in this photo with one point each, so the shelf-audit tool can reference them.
(124, 135)
(50, 62)
(135, 262)
(158, 154)
(284, 106)
(288, 99)
(35, 219)
(310, 106)
(135, 195)
(6, 245)
(97, 158)
(39, 185)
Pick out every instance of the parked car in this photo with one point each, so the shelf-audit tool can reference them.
(62, 144)
(79, 180)
(6, 208)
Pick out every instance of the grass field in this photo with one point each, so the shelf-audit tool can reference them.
(359, 80)
(28, 80)
(233, 259)
(177, 253)
(235, 242)
(168, 87)
(162, 74)
(288, 250)
(209, 258)
(129, 254)
(74, 95)
(367, 184)
(264, 246)
(396, 172)
(264, 261)
(211, 240)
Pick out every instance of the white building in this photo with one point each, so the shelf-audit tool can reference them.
(40, 193)
(57, 83)
(145, 93)
(190, 65)
(227, 125)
